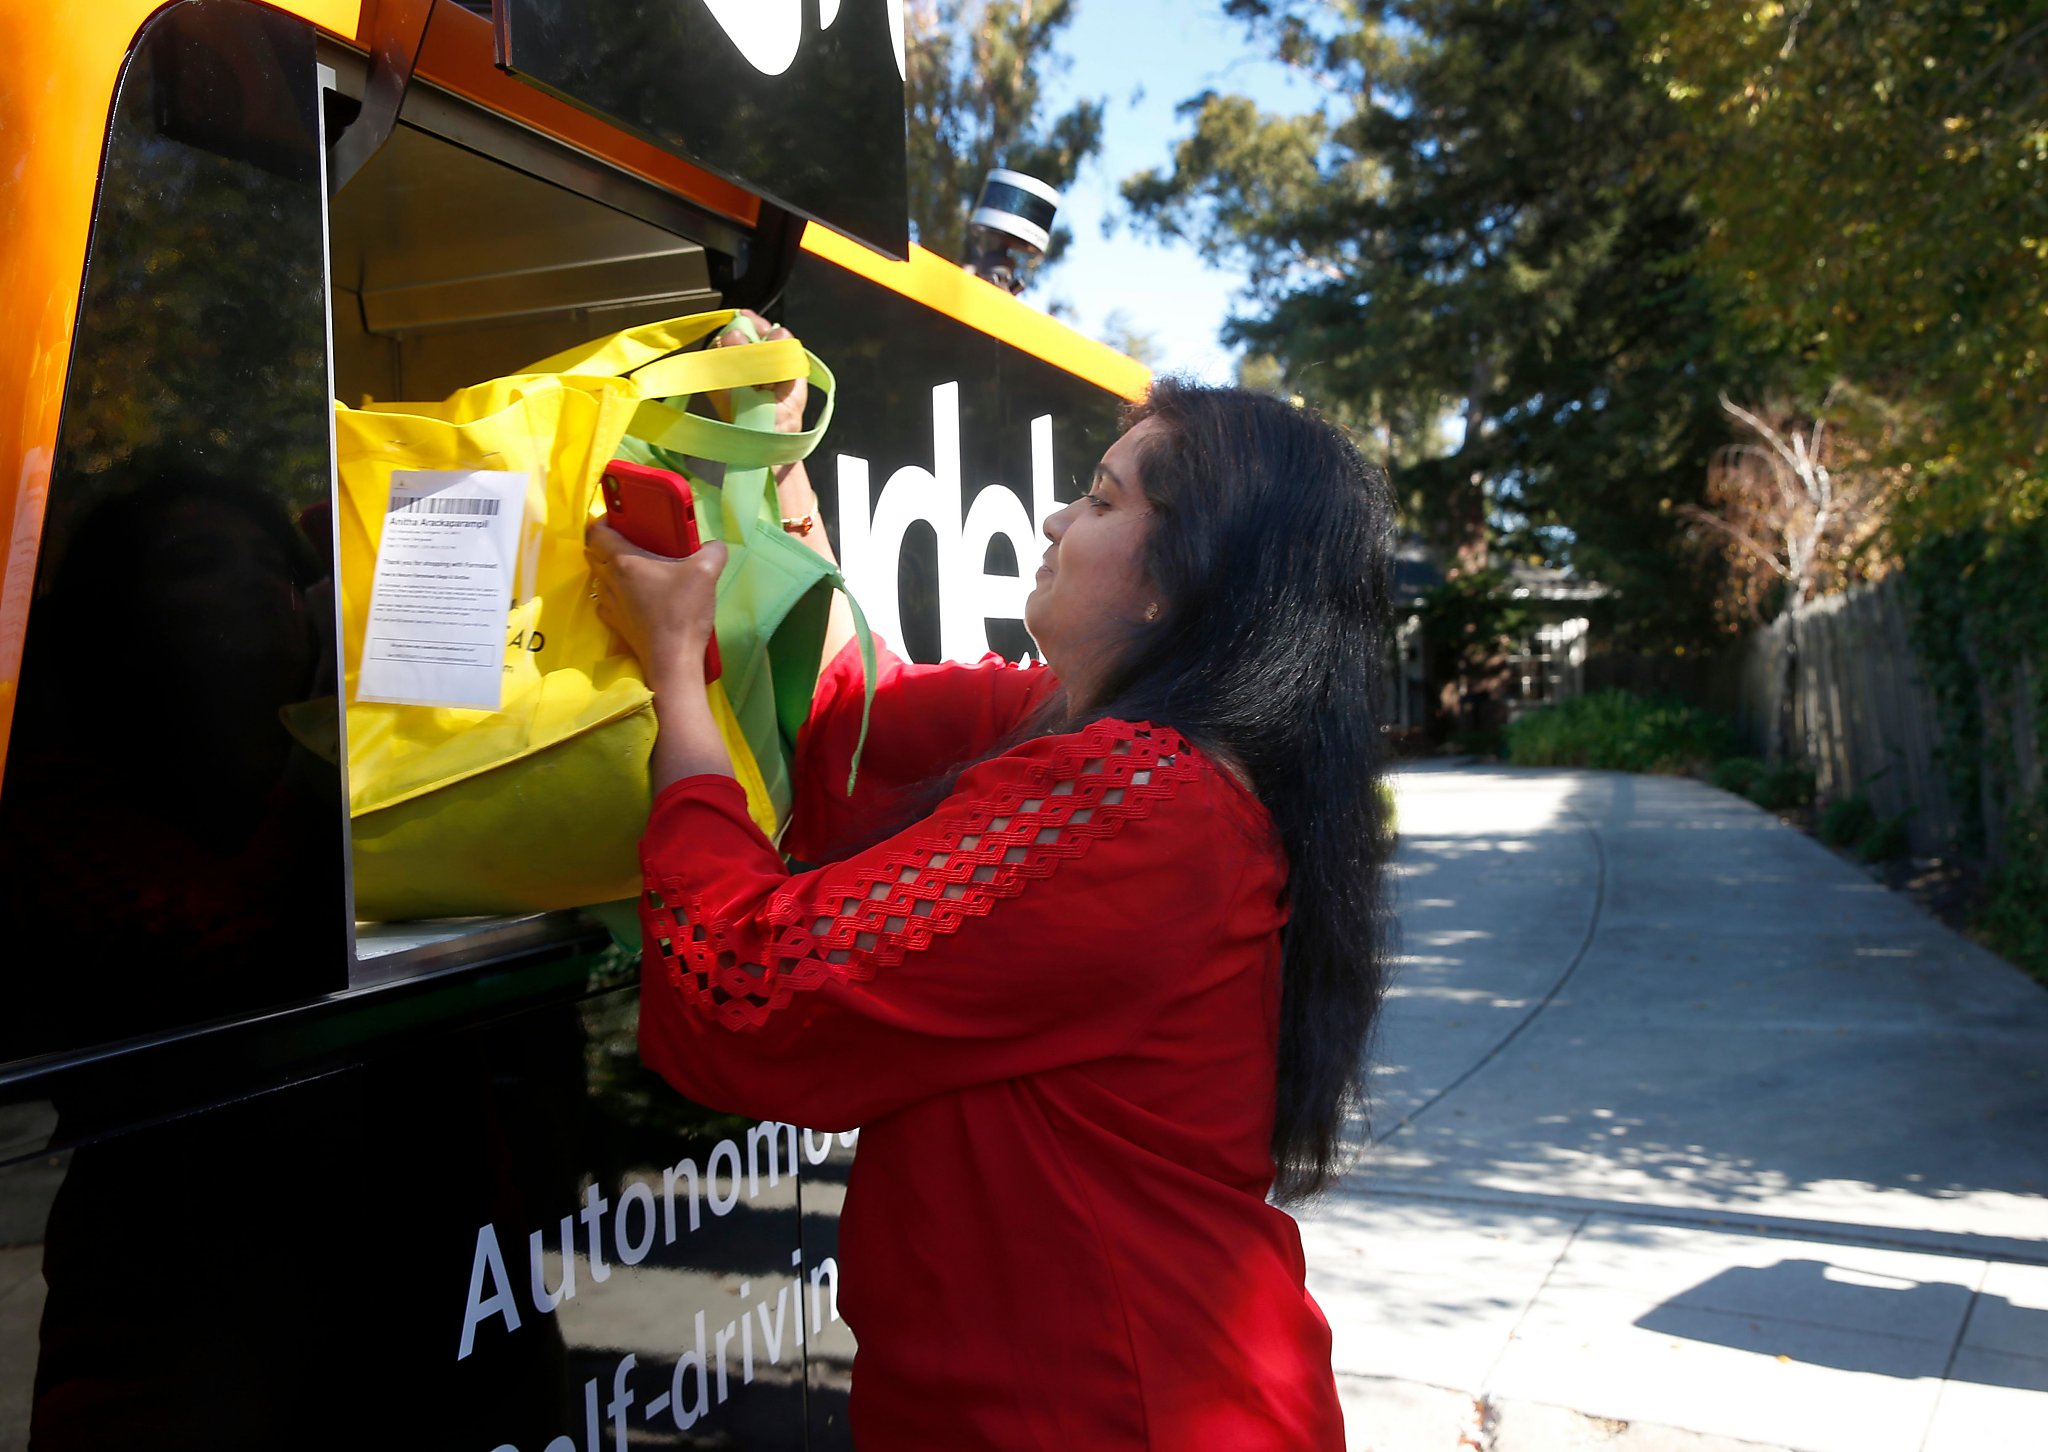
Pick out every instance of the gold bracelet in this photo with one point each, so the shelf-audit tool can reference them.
(799, 527)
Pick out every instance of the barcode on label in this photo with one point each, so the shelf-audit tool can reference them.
(441, 504)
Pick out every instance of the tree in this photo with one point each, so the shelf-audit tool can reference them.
(975, 72)
(1122, 333)
(1871, 172)
(1466, 225)
(1469, 624)
(1795, 508)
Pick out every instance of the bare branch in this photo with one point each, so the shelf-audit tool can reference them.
(1792, 30)
(1762, 553)
(1762, 430)
(1798, 500)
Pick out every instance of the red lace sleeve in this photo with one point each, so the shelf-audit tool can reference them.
(926, 718)
(1040, 918)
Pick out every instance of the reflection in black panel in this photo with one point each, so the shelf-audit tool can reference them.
(299, 1269)
(1007, 638)
(823, 136)
(168, 851)
(1010, 640)
(1000, 556)
(215, 75)
(917, 587)
(829, 1353)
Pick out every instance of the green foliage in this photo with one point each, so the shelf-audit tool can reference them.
(1619, 731)
(1468, 621)
(1465, 225)
(1576, 223)
(1783, 787)
(1736, 774)
(1122, 333)
(2014, 917)
(1480, 742)
(185, 294)
(1262, 373)
(1847, 822)
(1871, 174)
(1979, 610)
(1886, 840)
(974, 94)
(627, 1114)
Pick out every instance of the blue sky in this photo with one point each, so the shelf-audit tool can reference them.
(1168, 50)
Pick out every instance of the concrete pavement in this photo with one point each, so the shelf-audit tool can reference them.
(1689, 1138)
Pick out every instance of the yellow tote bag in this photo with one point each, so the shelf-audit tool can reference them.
(540, 803)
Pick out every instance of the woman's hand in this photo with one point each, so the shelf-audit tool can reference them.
(661, 608)
(790, 396)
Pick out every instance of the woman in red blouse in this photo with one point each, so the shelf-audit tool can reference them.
(1090, 996)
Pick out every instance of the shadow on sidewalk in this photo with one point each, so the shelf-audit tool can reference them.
(1820, 1314)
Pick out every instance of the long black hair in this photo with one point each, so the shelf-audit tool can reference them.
(1271, 546)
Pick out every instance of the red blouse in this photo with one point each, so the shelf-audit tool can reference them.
(1052, 1007)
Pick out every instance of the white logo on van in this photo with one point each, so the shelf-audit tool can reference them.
(871, 537)
(770, 32)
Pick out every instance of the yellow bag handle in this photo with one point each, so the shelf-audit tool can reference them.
(780, 360)
(636, 352)
(621, 353)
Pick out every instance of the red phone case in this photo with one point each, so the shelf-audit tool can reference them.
(651, 508)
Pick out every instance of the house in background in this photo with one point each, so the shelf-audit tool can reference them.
(1545, 665)
(1405, 714)
(1548, 664)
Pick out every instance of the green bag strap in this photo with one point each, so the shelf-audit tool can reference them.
(748, 500)
(866, 640)
(751, 446)
(668, 427)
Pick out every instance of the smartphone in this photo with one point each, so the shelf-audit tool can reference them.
(651, 508)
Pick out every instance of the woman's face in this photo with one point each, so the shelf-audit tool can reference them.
(1092, 587)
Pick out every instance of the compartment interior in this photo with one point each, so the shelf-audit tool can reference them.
(468, 247)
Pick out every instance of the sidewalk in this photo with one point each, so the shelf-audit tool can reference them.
(1690, 1138)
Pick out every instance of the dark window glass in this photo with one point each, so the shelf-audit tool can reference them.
(292, 1270)
(170, 849)
(808, 112)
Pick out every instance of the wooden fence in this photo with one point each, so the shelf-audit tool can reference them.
(1838, 685)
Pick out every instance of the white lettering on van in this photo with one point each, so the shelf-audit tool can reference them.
(769, 1328)
(489, 1260)
(871, 534)
(768, 33)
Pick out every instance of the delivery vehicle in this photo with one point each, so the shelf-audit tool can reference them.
(271, 1176)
